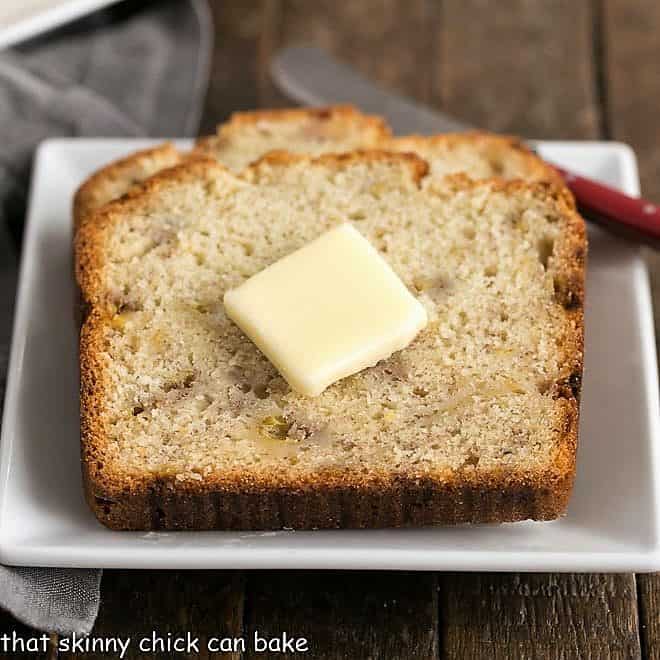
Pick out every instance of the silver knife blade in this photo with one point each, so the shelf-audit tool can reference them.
(311, 77)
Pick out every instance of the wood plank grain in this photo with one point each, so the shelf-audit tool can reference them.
(205, 604)
(538, 616)
(648, 587)
(523, 66)
(632, 92)
(632, 78)
(235, 80)
(388, 40)
(346, 614)
(529, 68)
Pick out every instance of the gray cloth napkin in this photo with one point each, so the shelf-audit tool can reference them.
(136, 69)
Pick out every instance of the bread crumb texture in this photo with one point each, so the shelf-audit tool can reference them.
(475, 421)
(313, 131)
(117, 178)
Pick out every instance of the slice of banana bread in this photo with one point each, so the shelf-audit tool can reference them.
(249, 135)
(117, 178)
(185, 424)
(239, 141)
(482, 155)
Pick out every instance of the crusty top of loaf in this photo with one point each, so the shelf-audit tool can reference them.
(173, 391)
(118, 177)
(482, 155)
(244, 138)
(249, 135)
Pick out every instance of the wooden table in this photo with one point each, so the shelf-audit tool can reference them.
(542, 68)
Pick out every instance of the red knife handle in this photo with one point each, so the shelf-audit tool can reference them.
(632, 217)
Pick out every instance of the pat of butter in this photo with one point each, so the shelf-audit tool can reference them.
(326, 311)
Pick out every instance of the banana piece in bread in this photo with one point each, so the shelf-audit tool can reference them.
(186, 425)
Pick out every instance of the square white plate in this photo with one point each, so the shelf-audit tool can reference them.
(22, 19)
(612, 523)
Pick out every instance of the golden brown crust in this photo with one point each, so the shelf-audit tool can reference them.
(118, 177)
(345, 113)
(326, 500)
(499, 148)
(207, 145)
(88, 255)
(401, 502)
(416, 165)
(346, 120)
(93, 386)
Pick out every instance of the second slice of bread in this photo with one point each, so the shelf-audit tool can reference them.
(249, 135)
(117, 178)
(314, 131)
(185, 424)
(239, 141)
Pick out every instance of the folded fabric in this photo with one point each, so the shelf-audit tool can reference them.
(136, 69)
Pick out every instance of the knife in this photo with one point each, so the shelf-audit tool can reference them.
(310, 76)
